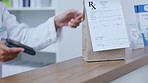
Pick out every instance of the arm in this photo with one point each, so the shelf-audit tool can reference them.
(34, 37)
(39, 37)
(44, 34)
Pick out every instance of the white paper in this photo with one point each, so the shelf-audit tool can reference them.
(106, 24)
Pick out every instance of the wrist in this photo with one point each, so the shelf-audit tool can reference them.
(57, 23)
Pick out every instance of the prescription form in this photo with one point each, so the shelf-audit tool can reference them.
(106, 24)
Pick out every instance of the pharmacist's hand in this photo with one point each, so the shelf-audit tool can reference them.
(70, 18)
(7, 53)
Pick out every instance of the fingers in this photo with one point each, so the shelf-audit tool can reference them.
(75, 22)
(13, 50)
(4, 58)
(7, 54)
(7, 50)
(79, 17)
(71, 11)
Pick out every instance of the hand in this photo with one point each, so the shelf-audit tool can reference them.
(70, 18)
(7, 53)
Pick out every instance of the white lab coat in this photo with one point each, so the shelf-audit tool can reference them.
(38, 37)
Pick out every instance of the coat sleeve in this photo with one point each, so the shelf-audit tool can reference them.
(39, 37)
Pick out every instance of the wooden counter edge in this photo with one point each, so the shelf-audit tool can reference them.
(120, 71)
(110, 72)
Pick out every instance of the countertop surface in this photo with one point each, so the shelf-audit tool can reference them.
(79, 71)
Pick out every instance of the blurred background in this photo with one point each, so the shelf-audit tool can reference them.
(33, 13)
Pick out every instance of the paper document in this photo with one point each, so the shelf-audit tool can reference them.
(106, 24)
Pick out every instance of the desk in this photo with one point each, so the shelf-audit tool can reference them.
(78, 71)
